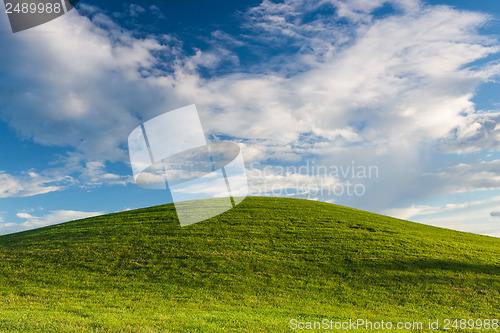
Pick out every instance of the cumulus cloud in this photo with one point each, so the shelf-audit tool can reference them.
(69, 87)
(478, 132)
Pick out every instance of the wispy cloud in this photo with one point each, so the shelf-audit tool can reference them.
(54, 217)
(30, 184)
(470, 216)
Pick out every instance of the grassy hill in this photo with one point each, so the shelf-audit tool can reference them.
(251, 269)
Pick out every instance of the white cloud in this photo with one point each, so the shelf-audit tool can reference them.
(484, 175)
(480, 131)
(94, 174)
(74, 83)
(280, 182)
(474, 216)
(24, 215)
(30, 184)
(414, 210)
(54, 217)
(8, 227)
(360, 10)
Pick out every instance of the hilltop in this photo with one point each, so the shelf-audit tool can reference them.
(251, 269)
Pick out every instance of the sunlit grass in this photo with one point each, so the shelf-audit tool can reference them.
(251, 269)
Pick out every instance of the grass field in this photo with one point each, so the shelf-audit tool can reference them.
(251, 269)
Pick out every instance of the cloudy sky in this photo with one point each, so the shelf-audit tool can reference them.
(390, 106)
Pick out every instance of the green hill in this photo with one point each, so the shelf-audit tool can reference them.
(251, 269)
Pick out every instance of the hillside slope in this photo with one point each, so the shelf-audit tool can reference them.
(251, 269)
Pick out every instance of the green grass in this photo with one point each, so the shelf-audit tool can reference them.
(251, 269)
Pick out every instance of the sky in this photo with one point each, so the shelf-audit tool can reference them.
(389, 106)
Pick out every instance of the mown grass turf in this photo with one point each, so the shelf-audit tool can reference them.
(251, 269)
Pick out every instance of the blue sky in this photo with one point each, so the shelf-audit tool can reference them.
(403, 86)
